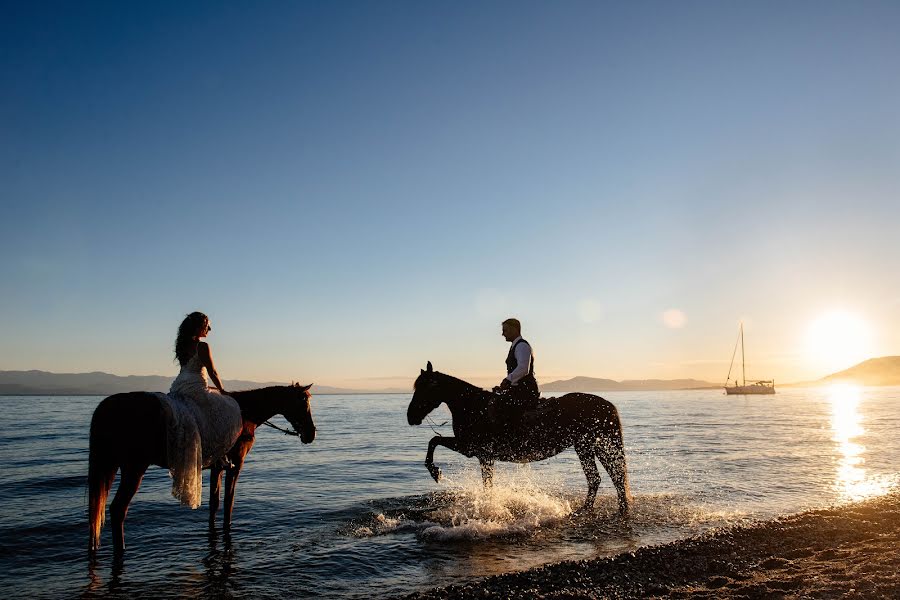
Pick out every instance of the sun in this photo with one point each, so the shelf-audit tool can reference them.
(837, 340)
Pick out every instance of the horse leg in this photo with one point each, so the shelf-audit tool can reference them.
(487, 472)
(585, 453)
(231, 478)
(611, 454)
(129, 482)
(438, 440)
(215, 485)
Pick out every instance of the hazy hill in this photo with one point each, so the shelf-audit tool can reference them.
(594, 384)
(28, 383)
(103, 384)
(875, 371)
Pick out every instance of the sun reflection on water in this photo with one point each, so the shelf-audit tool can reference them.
(846, 422)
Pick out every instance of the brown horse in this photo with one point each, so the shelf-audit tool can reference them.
(589, 423)
(128, 434)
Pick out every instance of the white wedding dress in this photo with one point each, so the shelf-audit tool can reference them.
(202, 425)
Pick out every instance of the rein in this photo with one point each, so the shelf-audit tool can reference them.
(432, 424)
(284, 431)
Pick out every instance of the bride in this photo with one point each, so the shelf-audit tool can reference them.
(216, 414)
(195, 359)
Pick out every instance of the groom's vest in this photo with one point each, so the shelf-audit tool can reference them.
(526, 387)
(512, 362)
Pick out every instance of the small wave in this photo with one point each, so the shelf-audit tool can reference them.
(476, 529)
(382, 524)
(56, 483)
(678, 510)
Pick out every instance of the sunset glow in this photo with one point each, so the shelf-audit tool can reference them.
(837, 340)
(629, 183)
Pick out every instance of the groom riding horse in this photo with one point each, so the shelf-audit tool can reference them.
(589, 423)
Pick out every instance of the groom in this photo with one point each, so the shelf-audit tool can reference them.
(519, 387)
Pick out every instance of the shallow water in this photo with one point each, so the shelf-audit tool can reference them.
(355, 514)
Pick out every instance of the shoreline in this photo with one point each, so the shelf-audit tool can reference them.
(850, 550)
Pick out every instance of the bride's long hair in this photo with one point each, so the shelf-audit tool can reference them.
(184, 347)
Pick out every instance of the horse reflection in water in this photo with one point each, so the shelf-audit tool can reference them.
(128, 434)
(587, 422)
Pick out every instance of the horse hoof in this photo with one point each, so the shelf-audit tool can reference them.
(435, 473)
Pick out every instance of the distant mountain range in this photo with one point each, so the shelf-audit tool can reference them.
(29, 383)
(874, 372)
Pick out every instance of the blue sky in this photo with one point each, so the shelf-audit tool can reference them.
(351, 189)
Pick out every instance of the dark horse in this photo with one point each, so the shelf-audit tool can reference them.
(128, 434)
(589, 423)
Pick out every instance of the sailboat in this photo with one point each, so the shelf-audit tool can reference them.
(754, 387)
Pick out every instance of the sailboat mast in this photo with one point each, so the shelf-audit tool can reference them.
(743, 367)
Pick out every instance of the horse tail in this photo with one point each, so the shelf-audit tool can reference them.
(611, 452)
(620, 459)
(101, 473)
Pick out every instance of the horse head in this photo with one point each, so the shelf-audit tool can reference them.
(298, 412)
(427, 396)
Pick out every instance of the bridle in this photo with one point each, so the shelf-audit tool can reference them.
(284, 431)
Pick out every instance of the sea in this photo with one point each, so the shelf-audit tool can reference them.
(356, 515)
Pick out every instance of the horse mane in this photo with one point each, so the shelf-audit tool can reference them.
(263, 391)
(451, 380)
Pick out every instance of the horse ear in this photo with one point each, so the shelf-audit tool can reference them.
(305, 388)
(429, 367)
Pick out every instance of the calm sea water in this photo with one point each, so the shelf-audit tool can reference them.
(355, 514)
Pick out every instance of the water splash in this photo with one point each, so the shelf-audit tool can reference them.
(519, 503)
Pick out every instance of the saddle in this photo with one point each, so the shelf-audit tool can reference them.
(501, 411)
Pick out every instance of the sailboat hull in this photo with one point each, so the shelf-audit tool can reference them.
(746, 390)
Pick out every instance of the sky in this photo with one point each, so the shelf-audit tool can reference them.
(350, 189)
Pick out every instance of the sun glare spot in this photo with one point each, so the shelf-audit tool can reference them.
(674, 318)
(838, 340)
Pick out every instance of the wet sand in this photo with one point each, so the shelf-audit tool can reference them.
(849, 551)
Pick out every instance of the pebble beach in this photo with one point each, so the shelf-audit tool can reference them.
(849, 551)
